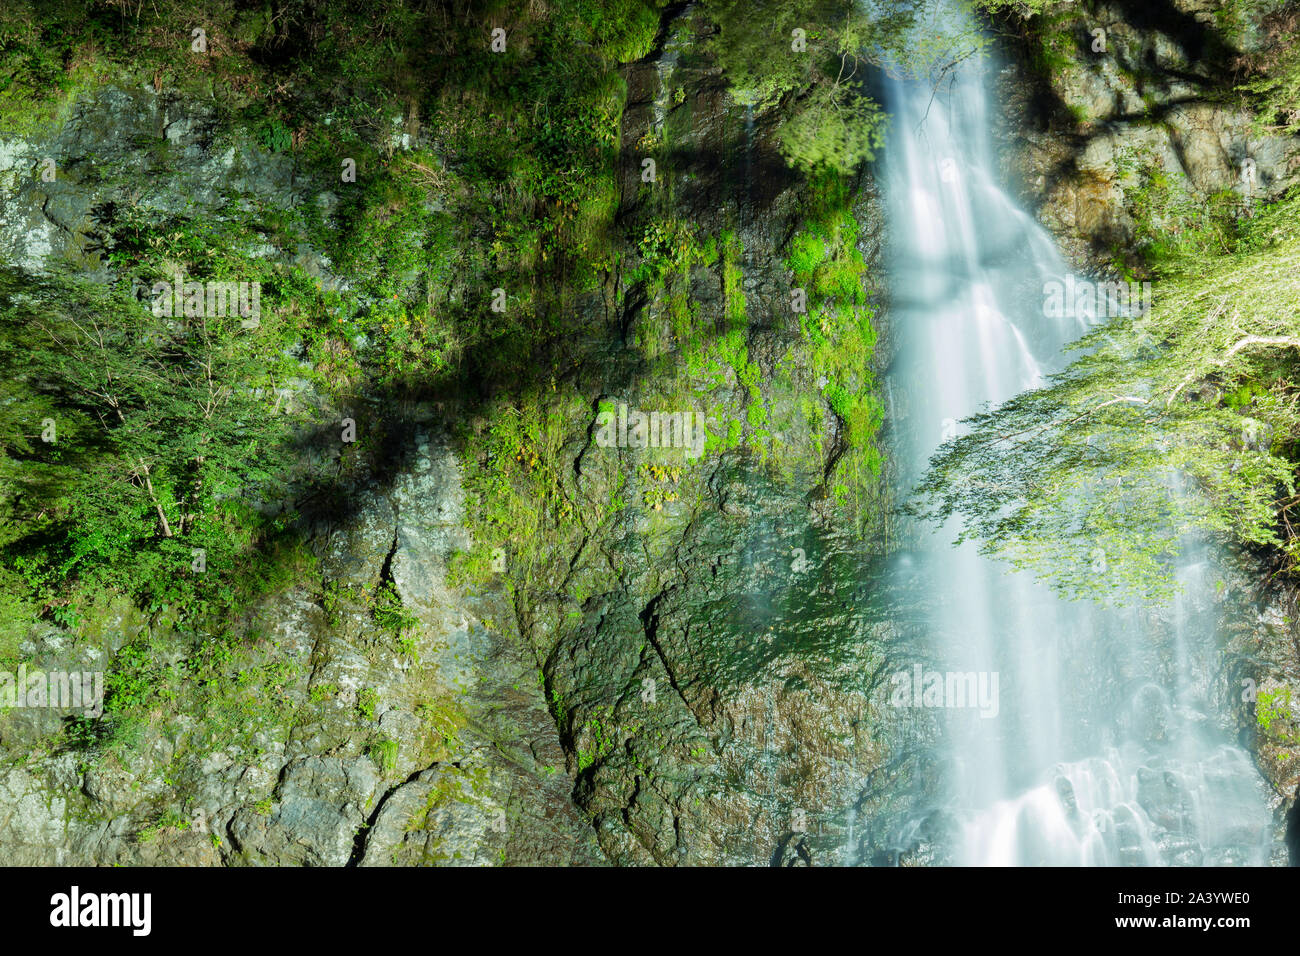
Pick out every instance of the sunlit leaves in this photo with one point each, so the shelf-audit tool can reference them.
(810, 59)
(1179, 423)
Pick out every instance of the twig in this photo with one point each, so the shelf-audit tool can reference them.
(1244, 342)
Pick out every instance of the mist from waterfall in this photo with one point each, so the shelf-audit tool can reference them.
(1105, 747)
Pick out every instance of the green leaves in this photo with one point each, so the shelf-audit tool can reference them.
(833, 128)
(1180, 422)
(274, 136)
(809, 58)
(157, 425)
(1273, 71)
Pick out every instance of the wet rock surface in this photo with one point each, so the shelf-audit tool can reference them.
(707, 702)
(1147, 88)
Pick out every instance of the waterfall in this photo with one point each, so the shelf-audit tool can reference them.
(1082, 735)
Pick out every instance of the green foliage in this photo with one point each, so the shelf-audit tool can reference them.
(383, 751)
(515, 487)
(1172, 220)
(830, 123)
(1181, 421)
(239, 690)
(275, 136)
(834, 130)
(171, 819)
(623, 29)
(670, 246)
(367, 703)
(601, 735)
(390, 614)
(1273, 71)
(322, 692)
(837, 326)
(156, 444)
(469, 567)
(1025, 8)
(232, 690)
(807, 252)
(732, 250)
(42, 61)
(519, 192)
(1275, 707)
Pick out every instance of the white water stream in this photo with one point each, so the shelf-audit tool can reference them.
(1103, 749)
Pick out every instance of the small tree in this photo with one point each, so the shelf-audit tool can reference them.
(809, 57)
(160, 437)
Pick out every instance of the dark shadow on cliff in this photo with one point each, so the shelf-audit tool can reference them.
(1205, 48)
(1199, 43)
(581, 340)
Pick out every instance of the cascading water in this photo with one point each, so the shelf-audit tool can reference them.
(1092, 740)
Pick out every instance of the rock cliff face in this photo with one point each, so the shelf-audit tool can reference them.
(701, 676)
(699, 685)
(1095, 96)
(347, 749)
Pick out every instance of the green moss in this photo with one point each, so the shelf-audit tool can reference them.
(367, 702)
(383, 751)
(390, 615)
(808, 250)
(838, 333)
(1272, 708)
(468, 569)
(1173, 221)
(520, 193)
(600, 736)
